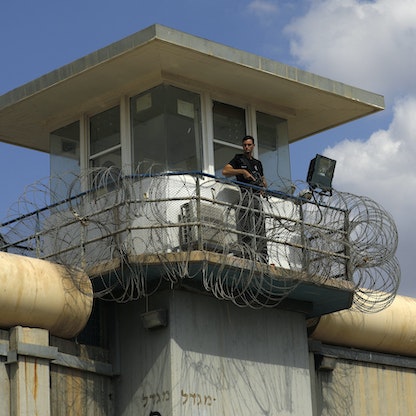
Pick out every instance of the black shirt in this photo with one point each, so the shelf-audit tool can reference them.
(254, 166)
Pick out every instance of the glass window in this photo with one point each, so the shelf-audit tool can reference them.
(166, 130)
(64, 159)
(223, 154)
(273, 149)
(105, 147)
(229, 129)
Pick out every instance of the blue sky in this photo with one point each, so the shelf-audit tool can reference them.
(368, 44)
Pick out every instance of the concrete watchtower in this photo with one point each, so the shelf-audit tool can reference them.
(137, 134)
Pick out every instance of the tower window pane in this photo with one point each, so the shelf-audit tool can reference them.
(273, 148)
(64, 159)
(166, 130)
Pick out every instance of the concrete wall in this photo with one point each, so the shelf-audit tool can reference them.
(364, 384)
(143, 361)
(63, 379)
(213, 358)
(81, 381)
(4, 376)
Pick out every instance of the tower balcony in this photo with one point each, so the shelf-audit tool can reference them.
(135, 235)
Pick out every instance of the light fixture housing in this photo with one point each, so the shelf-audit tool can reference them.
(155, 319)
(325, 362)
(320, 173)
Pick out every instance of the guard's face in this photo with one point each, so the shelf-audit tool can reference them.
(248, 146)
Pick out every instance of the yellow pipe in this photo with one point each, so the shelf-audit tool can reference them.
(40, 294)
(391, 330)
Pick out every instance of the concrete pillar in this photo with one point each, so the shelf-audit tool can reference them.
(213, 358)
(29, 355)
(4, 374)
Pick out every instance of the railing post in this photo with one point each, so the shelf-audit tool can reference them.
(303, 238)
(198, 213)
(348, 266)
(37, 238)
(29, 359)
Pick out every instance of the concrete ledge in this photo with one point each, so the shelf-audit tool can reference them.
(31, 350)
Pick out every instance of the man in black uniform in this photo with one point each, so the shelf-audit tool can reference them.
(250, 218)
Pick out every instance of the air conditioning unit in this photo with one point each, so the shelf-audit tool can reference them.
(206, 225)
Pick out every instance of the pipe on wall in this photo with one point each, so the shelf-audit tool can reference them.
(40, 294)
(391, 330)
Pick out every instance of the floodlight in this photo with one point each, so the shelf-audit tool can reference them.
(320, 173)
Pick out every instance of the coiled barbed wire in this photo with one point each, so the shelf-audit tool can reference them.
(135, 234)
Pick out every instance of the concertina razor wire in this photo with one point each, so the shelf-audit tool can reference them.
(133, 234)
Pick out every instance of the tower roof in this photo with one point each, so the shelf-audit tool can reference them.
(311, 103)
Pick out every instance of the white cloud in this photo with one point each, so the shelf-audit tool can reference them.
(385, 162)
(263, 9)
(369, 44)
(383, 168)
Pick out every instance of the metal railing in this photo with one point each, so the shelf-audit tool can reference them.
(176, 212)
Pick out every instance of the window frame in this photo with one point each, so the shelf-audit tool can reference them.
(207, 99)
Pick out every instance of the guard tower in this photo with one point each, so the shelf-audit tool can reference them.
(195, 321)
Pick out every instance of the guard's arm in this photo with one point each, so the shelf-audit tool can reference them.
(228, 170)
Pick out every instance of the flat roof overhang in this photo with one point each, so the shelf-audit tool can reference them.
(311, 295)
(310, 103)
